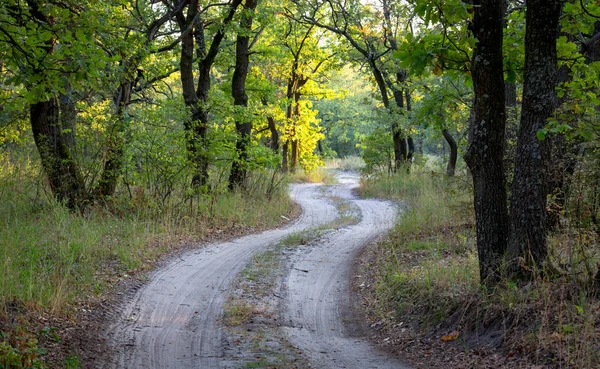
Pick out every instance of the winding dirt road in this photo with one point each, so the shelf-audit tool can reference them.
(173, 321)
(318, 302)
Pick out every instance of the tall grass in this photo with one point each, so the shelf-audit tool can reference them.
(427, 262)
(426, 272)
(50, 257)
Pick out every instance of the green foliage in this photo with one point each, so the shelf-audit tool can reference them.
(19, 350)
(377, 151)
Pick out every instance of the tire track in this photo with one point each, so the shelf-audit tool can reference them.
(318, 301)
(172, 322)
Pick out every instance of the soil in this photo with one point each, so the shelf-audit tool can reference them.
(311, 315)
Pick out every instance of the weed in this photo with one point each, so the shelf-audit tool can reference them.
(427, 273)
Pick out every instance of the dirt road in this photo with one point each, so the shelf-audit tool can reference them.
(318, 302)
(173, 321)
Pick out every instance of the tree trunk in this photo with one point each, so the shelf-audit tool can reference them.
(64, 175)
(400, 149)
(237, 177)
(451, 167)
(294, 161)
(527, 247)
(285, 157)
(115, 146)
(484, 155)
(273, 130)
(196, 126)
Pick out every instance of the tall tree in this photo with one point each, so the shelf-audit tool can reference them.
(243, 124)
(485, 153)
(527, 247)
(193, 38)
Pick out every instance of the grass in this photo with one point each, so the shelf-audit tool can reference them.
(53, 261)
(426, 273)
(50, 257)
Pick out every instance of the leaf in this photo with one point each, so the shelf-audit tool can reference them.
(438, 69)
(541, 134)
(451, 336)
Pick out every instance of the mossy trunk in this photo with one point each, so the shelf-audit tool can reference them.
(63, 172)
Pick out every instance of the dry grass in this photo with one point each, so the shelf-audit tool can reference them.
(426, 276)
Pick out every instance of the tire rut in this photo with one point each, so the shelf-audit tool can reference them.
(173, 321)
(317, 302)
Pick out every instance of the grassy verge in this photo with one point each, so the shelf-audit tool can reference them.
(425, 279)
(53, 262)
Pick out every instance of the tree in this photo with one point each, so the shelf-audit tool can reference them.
(192, 27)
(243, 126)
(485, 153)
(527, 247)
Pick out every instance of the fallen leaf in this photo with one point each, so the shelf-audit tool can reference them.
(451, 336)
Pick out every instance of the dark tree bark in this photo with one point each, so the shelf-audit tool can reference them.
(64, 175)
(238, 173)
(272, 129)
(485, 153)
(285, 156)
(527, 248)
(196, 97)
(68, 118)
(63, 172)
(400, 149)
(451, 167)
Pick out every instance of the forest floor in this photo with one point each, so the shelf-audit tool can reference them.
(294, 297)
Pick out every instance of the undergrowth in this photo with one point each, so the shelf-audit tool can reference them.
(52, 259)
(427, 277)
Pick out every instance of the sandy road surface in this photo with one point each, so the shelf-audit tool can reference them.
(172, 321)
(318, 290)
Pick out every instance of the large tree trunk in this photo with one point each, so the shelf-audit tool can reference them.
(527, 248)
(64, 175)
(239, 166)
(484, 155)
(451, 167)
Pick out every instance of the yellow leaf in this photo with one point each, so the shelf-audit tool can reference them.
(451, 336)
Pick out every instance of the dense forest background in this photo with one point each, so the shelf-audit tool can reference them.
(125, 124)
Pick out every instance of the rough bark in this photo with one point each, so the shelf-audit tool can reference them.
(285, 156)
(451, 167)
(485, 153)
(62, 171)
(243, 127)
(527, 248)
(400, 149)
